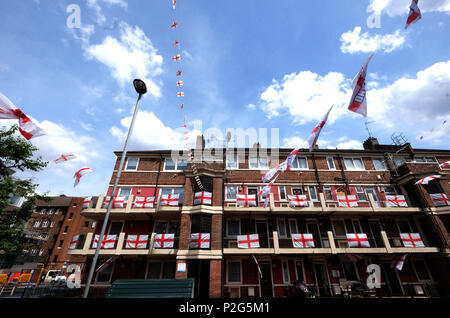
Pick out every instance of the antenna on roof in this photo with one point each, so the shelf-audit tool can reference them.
(398, 139)
(366, 123)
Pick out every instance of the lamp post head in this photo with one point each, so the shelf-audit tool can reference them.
(140, 86)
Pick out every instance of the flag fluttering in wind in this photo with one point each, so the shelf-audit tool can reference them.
(27, 127)
(316, 132)
(107, 263)
(398, 262)
(65, 157)
(290, 160)
(265, 192)
(445, 165)
(257, 264)
(81, 173)
(174, 4)
(174, 24)
(428, 179)
(358, 102)
(414, 13)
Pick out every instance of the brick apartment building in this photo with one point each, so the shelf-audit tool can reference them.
(224, 270)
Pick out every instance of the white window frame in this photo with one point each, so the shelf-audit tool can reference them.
(240, 272)
(258, 166)
(296, 226)
(285, 228)
(176, 161)
(297, 187)
(424, 157)
(283, 272)
(120, 192)
(228, 235)
(328, 163)
(315, 191)
(50, 211)
(359, 192)
(137, 164)
(43, 211)
(226, 192)
(352, 159)
(298, 164)
(285, 193)
(237, 162)
(383, 163)
(113, 265)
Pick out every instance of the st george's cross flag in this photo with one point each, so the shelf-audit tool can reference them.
(445, 165)
(358, 102)
(135, 241)
(87, 202)
(290, 160)
(200, 240)
(108, 241)
(118, 202)
(357, 240)
(170, 199)
(411, 240)
(439, 199)
(27, 127)
(65, 157)
(164, 240)
(248, 241)
(396, 201)
(265, 192)
(270, 174)
(81, 173)
(316, 131)
(144, 202)
(245, 200)
(398, 262)
(414, 13)
(73, 243)
(203, 198)
(302, 240)
(347, 200)
(298, 200)
(428, 179)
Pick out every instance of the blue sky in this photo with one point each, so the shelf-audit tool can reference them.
(246, 64)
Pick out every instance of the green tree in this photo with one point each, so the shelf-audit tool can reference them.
(16, 154)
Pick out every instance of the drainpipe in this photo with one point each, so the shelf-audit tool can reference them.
(316, 172)
(341, 167)
(157, 176)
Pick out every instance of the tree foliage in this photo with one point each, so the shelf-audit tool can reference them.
(16, 154)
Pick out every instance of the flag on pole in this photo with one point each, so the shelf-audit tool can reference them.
(316, 131)
(398, 262)
(107, 263)
(358, 102)
(257, 264)
(414, 13)
(81, 173)
(65, 157)
(27, 127)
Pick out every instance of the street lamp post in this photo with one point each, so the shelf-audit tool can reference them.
(141, 89)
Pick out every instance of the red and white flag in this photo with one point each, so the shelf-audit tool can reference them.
(170, 199)
(257, 265)
(411, 240)
(428, 179)
(439, 199)
(396, 200)
(200, 240)
(347, 200)
(179, 83)
(174, 4)
(164, 240)
(357, 240)
(107, 263)
(180, 94)
(358, 102)
(87, 202)
(27, 127)
(144, 202)
(298, 200)
(290, 160)
(270, 174)
(414, 13)
(203, 197)
(176, 42)
(81, 173)
(118, 202)
(65, 157)
(302, 240)
(73, 243)
(108, 241)
(245, 200)
(445, 165)
(174, 24)
(179, 73)
(398, 262)
(265, 192)
(136, 241)
(316, 131)
(248, 241)
(176, 57)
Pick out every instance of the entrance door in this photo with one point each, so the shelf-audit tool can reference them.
(393, 285)
(266, 280)
(313, 228)
(199, 270)
(321, 277)
(261, 229)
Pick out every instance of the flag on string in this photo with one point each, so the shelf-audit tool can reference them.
(257, 265)
(414, 13)
(180, 94)
(358, 102)
(176, 57)
(428, 179)
(174, 4)
(316, 131)
(174, 24)
(27, 127)
(182, 106)
(265, 192)
(176, 43)
(81, 173)
(65, 157)
(179, 83)
(179, 73)
(270, 174)
(445, 165)
(107, 263)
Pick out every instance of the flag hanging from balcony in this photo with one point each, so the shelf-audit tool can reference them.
(347, 200)
(396, 201)
(248, 241)
(257, 265)
(414, 13)
(357, 240)
(316, 131)
(245, 200)
(200, 240)
(428, 179)
(265, 192)
(398, 262)
(136, 241)
(203, 198)
(107, 263)
(27, 127)
(358, 102)
(411, 240)
(65, 157)
(302, 240)
(164, 240)
(445, 165)
(298, 200)
(170, 199)
(144, 202)
(73, 243)
(108, 241)
(439, 199)
(118, 202)
(87, 202)
(81, 173)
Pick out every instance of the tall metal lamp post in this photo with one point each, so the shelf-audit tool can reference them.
(141, 89)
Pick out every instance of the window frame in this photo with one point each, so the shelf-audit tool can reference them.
(298, 163)
(328, 163)
(290, 227)
(361, 192)
(355, 268)
(258, 166)
(315, 193)
(279, 193)
(352, 159)
(285, 271)
(176, 161)
(240, 272)
(279, 221)
(227, 161)
(112, 266)
(382, 162)
(137, 164)
(119, 194)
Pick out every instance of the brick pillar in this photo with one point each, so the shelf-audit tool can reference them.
(444, 238)
(218, 192)
(188, 193)
(181, 275)
(215, 278)
(216, 232)
(185, 232)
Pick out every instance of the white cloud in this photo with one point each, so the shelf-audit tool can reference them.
(95, 4)
(401, 7)
(295, 142)
(347, 144)
(251, 106)
(132, 56)
(354, 41)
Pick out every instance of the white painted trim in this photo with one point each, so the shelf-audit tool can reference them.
(228, 272)
(334, 164)
(126, 164)
(362, 161)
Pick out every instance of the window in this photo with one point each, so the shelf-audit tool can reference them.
(293, 227)
(105, 275)
(350, 271)
(312, 193)
(61, 242)
(161, 270)
(258, 163)
(234, 272)
(297, 190)
(285, 266)
(253, 191)
(424, 159)
(328, 193)
(372, 191)
(357, 226)
(360, 194)
(300, 163)
(43, 211)
(154, 270)
(86, 224)
(94, 224)
(390, 191)
(281, 228)
(379, 164)
(166, 227)
(201, 223)
(421, 270)
(339, 227)
(231, 192)
(80, 243)
(50, 211)
(404, 227)
(173, 191)
(399, 161)
(132, 164)
(233, 227)
(300, 271)
(174, 165)
(37, 224)
(124, 192)
(115, 228)
(354, 164)
(52, 224)
(168, 270)
(70, 216)
(282, 190)
(66, 229)
(232, 161)
(330, 162)
(45, 224)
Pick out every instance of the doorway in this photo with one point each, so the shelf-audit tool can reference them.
(199, 270)
(393, 284)
(266, 280)
(321, 279)
(263, 233)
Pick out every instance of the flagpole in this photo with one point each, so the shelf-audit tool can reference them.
(141, 89)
